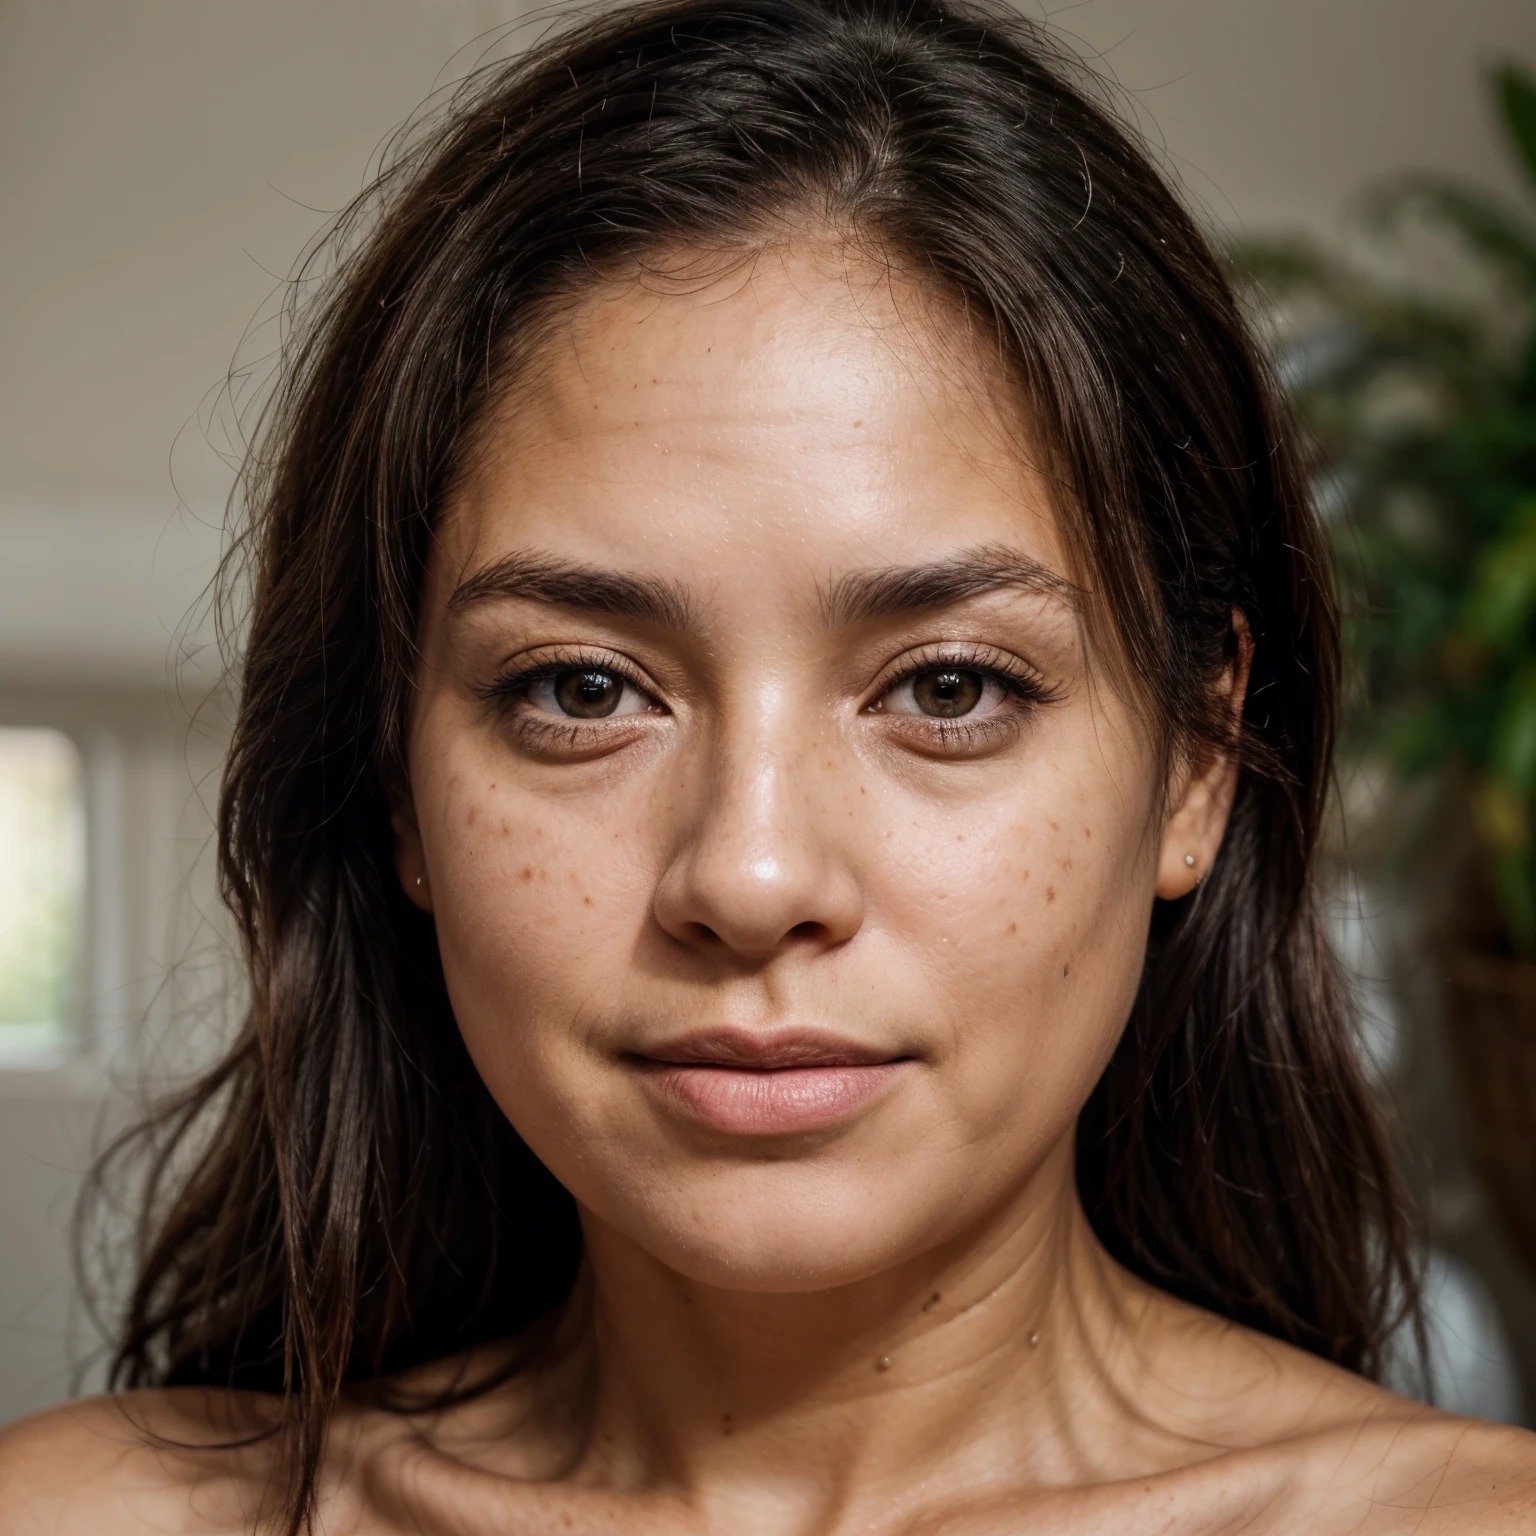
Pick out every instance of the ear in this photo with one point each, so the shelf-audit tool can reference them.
(410, 857)
(1201, 789)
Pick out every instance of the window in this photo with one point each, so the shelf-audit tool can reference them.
(42, 894)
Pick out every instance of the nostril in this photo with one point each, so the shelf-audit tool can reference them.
(808, 930)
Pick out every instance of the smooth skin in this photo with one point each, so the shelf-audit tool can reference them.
(761, 698)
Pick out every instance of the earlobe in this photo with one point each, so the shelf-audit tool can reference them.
(1193, 832)
(410, 857)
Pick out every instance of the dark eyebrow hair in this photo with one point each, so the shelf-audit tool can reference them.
(547, 580)
(885, 593)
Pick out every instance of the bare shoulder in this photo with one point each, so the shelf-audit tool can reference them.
(1415, 1469)
(175, 1461)
(1322, 1447)
(202, 1462)
(1350, 1454)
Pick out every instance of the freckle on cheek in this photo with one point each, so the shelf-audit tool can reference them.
(527, 872)
(1013, 927)
(1050, 893)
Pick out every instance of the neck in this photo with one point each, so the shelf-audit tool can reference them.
(1002, 1352)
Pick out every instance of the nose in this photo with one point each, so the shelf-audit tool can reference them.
(755, 873)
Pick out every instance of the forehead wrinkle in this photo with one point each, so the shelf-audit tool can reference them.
(893, 590)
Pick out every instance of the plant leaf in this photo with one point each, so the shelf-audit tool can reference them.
(1483, 223)
(1513, 759)
(1516, 91)
(1502, 597)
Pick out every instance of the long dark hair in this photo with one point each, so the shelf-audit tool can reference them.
(340, 1197)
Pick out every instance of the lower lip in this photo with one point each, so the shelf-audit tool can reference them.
(773, 1102)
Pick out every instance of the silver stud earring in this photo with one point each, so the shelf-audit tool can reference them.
(1189, 863)
(418, 878)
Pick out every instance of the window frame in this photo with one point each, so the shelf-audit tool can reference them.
(103, 1013)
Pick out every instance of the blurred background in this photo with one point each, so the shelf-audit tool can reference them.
(164, 162)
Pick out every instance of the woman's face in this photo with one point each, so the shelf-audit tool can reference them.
(791, 856)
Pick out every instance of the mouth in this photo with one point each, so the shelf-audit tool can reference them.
(767, 1083)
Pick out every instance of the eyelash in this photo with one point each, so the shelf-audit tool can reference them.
(1028, 691)
(512, 688)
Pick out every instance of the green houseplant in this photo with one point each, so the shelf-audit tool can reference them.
(1420, 404)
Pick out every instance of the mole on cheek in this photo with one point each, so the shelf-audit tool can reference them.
(1050, 893)
(526, 872)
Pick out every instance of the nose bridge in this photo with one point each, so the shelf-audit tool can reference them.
(760, 768)
(756, 866)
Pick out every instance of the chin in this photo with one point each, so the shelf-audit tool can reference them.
(776, 1262)
(778, 1229)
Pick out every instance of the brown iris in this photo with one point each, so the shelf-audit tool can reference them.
(587, 693)
(947, 692)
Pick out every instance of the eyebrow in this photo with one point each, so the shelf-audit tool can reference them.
(857, 597)
(546, 580)
(896, 590)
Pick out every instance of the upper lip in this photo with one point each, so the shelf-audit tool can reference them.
(767, 1049)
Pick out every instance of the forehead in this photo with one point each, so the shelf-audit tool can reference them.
(801, 412)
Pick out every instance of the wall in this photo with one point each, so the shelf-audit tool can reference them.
(161, 164)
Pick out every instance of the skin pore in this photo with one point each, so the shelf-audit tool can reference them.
(792, 852)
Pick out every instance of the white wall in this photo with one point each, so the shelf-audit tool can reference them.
(160, 161)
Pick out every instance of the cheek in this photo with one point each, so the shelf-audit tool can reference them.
(1029, 912)
(536, 908)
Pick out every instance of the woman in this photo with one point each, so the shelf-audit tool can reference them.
(785, 718)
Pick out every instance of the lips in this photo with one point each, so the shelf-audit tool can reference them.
(767, 1083)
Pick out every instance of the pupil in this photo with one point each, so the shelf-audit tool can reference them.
(588, 695)
(948, 694)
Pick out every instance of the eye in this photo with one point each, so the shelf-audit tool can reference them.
(585, 693)
(946, 693)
